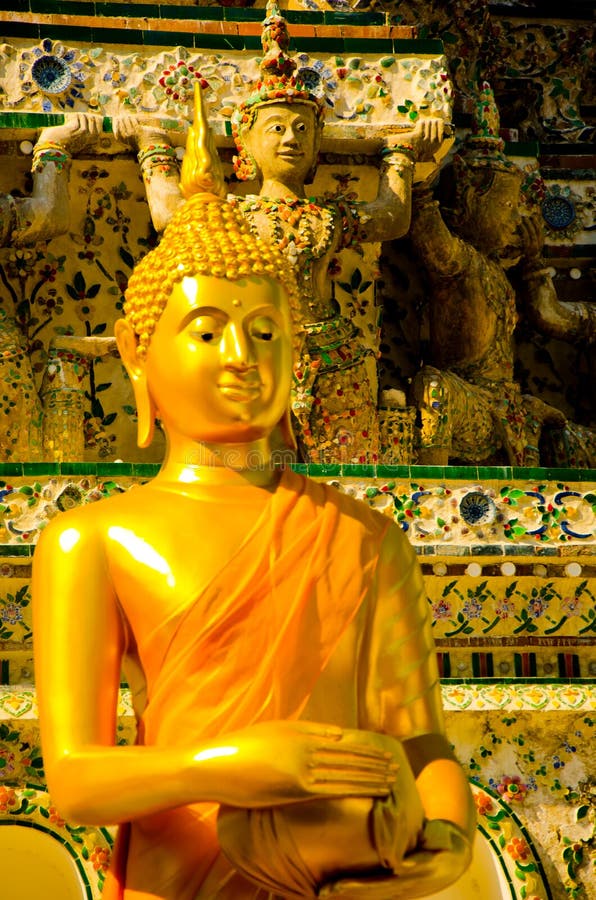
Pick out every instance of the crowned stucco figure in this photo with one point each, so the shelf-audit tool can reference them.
(278, 131)
(471, 405)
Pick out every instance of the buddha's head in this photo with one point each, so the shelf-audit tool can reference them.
(278, 128)
(211, 317)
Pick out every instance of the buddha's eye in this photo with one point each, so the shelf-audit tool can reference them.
(206, 329)
(263, 329)
(277, 129)
(301, 126)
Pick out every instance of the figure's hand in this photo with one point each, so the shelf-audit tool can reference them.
(531, 233)
(543, 413)
(426, 138)
(282, 762)
(138, 133)
(78, 130)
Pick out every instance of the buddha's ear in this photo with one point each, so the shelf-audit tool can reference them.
(126, 340)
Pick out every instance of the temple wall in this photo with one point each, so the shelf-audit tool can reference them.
(507, 554)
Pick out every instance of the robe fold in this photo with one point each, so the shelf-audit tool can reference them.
(250, 648)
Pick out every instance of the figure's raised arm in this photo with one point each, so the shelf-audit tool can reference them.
(571, 321)
(46, 213)
(440, 250)
(159, 165)
(387, 217)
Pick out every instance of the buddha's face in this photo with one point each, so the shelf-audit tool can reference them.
(219, 364)
(284, 141)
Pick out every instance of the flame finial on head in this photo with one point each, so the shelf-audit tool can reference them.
(201, 167)
(275, 41)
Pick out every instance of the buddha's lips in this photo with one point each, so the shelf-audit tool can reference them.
(241, 391)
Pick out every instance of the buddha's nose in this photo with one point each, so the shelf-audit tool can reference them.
(237, 348)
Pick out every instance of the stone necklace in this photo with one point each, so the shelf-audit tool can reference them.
(302, 228)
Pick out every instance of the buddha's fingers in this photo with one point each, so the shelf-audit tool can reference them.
(340, 784)
(356, 754)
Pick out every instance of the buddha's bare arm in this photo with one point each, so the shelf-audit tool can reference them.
(79, 644)
(46, 214)
(387, 217)
(159, 165)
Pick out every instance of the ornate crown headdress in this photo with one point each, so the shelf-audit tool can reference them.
(278, 83)
(483, 148)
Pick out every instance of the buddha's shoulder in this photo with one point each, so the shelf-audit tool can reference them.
(94, 520)
(351, 508)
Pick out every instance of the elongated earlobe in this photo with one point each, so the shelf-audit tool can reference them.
(146, 412)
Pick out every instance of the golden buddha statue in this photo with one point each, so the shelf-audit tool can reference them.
(274, 633)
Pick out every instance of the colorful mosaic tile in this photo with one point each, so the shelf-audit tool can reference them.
(372, 87)
(449, 513)
(440, 515)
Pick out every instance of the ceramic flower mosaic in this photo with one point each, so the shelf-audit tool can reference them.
(52, 76)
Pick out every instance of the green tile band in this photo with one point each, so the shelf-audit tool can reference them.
(368, 45)
(59, 7)
(8, 551)
(40, 468)
(30, 120)
(109, 469)
(364, 19)
(385, 472)
(204, 13)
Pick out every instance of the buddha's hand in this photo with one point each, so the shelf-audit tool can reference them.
(272, 763)
(443, 854)
(77, 131)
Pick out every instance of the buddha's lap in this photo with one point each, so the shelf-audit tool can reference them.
(322, 838)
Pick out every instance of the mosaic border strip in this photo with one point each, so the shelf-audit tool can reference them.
(19, 702)
(209, 34)
(573, 10)
(511, 843)
(442, 517)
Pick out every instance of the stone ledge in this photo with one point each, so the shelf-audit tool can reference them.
(133, 29)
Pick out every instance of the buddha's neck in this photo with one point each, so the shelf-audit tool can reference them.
(218, 465)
